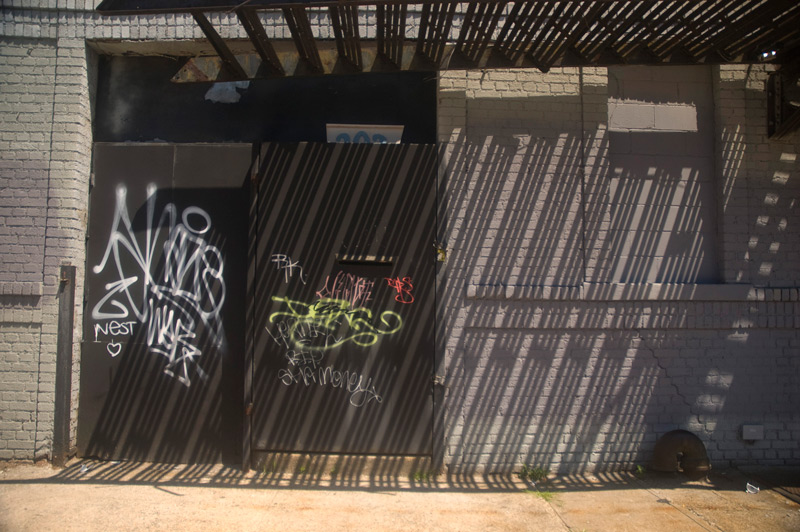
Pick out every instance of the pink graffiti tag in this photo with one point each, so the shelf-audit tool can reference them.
(403, 287)
(351, 288)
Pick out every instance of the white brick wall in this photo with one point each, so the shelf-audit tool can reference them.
(45, 130)
(760, 184)
(551, 362)
(27, 73)
(70, 167)
(661, 194)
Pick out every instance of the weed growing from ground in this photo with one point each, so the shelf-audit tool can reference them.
(422, 476)
(533, 474)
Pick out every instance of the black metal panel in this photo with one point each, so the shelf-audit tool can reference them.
(136, 102)
(161, 366)
(344, 299)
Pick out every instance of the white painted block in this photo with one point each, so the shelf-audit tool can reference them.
(752, 432)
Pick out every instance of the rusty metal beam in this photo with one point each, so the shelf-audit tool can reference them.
(255, 31)
(664, 41)
(627, 28)
(391, 32)
(300, 27)
(777, 26)
(209, 68)
(736, 27)
(477, 30)
(706, 27)
(434, 30)
(638, 38)
(344, 18)
(230, 64)
(521, 26)
(608, 26)
(783, 116)
(564, 28)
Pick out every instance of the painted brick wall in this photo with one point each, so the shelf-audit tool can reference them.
(549, 359)
(45, 130)
(27, 72)
(759, 184)
(661, 194)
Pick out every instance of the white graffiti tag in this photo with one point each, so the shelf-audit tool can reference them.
(171, 305)
(285, 263)
(307, 370)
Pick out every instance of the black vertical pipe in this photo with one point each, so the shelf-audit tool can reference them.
(250, 300)
(63, 392)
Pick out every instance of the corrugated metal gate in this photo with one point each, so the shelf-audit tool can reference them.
(344, 299)
(163, 336)
(341, 269)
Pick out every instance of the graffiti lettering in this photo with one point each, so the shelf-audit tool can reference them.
(191, 291)
(306, 334)
(403, 287)
(331, 317)
(114, 328)
(362, 137)
(300, 358)
(284, 262)
(351, 288)
(170, 331)
(308, 372)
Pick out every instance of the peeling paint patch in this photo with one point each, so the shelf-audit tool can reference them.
(226, 92)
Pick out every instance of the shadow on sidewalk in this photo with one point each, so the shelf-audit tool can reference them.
(352, 474)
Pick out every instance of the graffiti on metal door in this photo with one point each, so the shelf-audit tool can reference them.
(339, 316)
(354, 289)
(343, 284)
(171, 304)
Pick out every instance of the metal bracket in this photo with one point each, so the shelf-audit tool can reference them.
(441, 251)
(783, 111)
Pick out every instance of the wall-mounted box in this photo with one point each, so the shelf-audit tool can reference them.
(752, 432)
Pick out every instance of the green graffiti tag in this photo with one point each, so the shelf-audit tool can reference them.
(329, 323)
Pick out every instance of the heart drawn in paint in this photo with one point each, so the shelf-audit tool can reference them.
(114, 348)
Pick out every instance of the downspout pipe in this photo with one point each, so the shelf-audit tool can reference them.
(680, 450)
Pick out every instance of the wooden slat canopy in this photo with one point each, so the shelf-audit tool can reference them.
(447, 34)
(500, 34)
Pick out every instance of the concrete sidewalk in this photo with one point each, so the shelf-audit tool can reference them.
(91, 495)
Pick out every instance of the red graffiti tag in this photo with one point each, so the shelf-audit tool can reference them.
(355, 290)
(403, 287)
